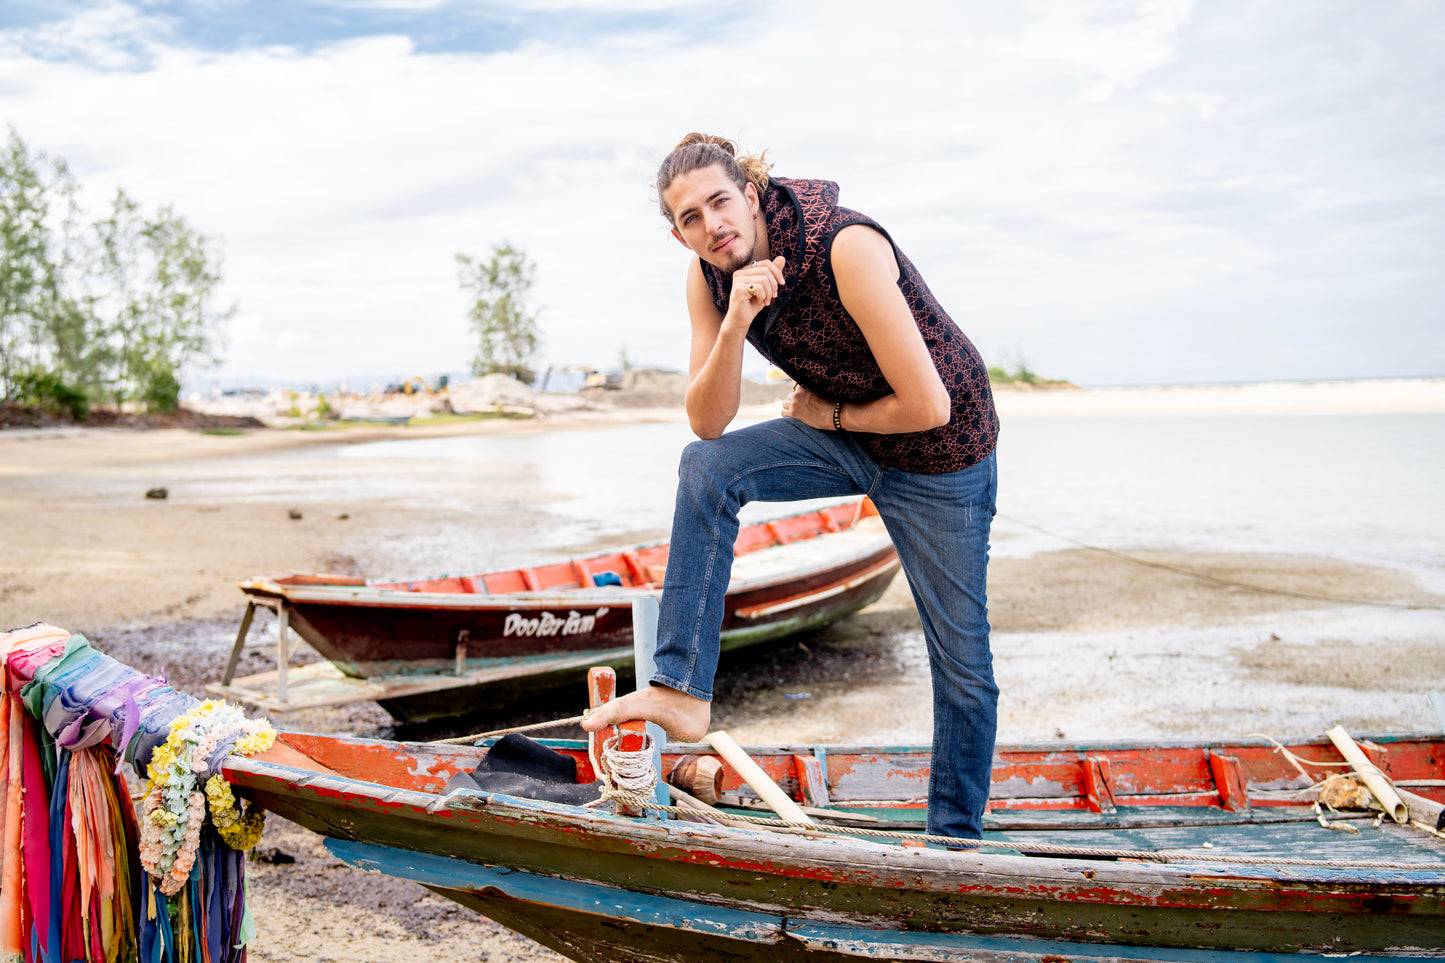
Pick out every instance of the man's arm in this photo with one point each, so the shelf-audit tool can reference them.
(715, 365)
(867, 276)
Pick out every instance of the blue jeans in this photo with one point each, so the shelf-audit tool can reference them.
(940, 525)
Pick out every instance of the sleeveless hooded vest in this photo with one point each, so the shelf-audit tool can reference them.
(808, 334)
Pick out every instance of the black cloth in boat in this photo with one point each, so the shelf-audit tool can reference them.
(519, 766)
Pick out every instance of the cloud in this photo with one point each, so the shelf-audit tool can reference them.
(1115, 44)
(108, 36)
(1082, 182)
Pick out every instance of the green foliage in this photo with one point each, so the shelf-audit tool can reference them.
(158, 284)
(506, 326)
(323, 407)
(1020, 375)
(27, 256)
(45, 390)
(115, 307)
(453, 418)
(161, 392)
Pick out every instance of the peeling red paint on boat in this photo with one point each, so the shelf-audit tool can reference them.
(803, 879)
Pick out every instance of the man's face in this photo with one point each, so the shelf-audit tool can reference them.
(714, 217)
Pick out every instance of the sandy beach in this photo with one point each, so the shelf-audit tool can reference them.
(1144, 641)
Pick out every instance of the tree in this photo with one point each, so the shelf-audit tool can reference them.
(182, 323)
(505, 325)
(27, 266)
(113, 309)
(153, 304)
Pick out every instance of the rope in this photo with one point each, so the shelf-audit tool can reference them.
(1230, 583)
(478, 737)
(1147, 855)
(628, 778)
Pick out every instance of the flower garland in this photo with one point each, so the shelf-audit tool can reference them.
(175, 805)
(239, 831)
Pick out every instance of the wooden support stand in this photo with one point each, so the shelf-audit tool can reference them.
(284, 649)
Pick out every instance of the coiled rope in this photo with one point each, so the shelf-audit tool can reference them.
(628, 778)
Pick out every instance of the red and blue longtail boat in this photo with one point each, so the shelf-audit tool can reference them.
(1221, 851)
(1200, 852)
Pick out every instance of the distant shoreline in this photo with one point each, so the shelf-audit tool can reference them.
(570, 412)
(1385, 395)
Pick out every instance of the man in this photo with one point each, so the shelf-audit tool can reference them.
(891, 401)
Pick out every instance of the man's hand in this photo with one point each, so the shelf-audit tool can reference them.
(811, 410)
(754, 287)
(715, 364)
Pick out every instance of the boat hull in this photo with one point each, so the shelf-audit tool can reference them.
(840, 897)
(597, 924)
(791, 575)
(369, 635)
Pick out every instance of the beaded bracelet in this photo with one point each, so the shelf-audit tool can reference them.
(838, 416)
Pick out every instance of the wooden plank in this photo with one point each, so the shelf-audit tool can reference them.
(1229, 781)
(322, 684)
(812, 786)
(1097, 792)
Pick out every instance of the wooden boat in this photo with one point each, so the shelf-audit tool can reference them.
(427, 648)
(1179, 852)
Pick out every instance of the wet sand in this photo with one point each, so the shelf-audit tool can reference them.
(1088, 644)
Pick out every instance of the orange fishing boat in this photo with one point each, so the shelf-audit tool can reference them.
(432, 647)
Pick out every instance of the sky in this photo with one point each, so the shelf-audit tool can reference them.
(1112, 193)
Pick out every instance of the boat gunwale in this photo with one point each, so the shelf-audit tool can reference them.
(1001, 870)
(274, 584)
(803, 848)
(370, 594)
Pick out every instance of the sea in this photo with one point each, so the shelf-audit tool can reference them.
(1367, 489)
(1363, 488)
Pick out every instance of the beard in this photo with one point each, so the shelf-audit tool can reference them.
(739, 255)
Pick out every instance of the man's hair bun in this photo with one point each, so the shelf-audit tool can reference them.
(696, 151)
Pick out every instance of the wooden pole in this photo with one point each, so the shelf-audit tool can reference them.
(644, 651)
(240, 641)
(283, 655)
(754, 776)
(1370, 775)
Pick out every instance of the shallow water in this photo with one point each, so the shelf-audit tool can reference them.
(1365, 488)
(1368, 488)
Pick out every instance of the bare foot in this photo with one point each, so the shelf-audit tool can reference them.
(683, 717)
